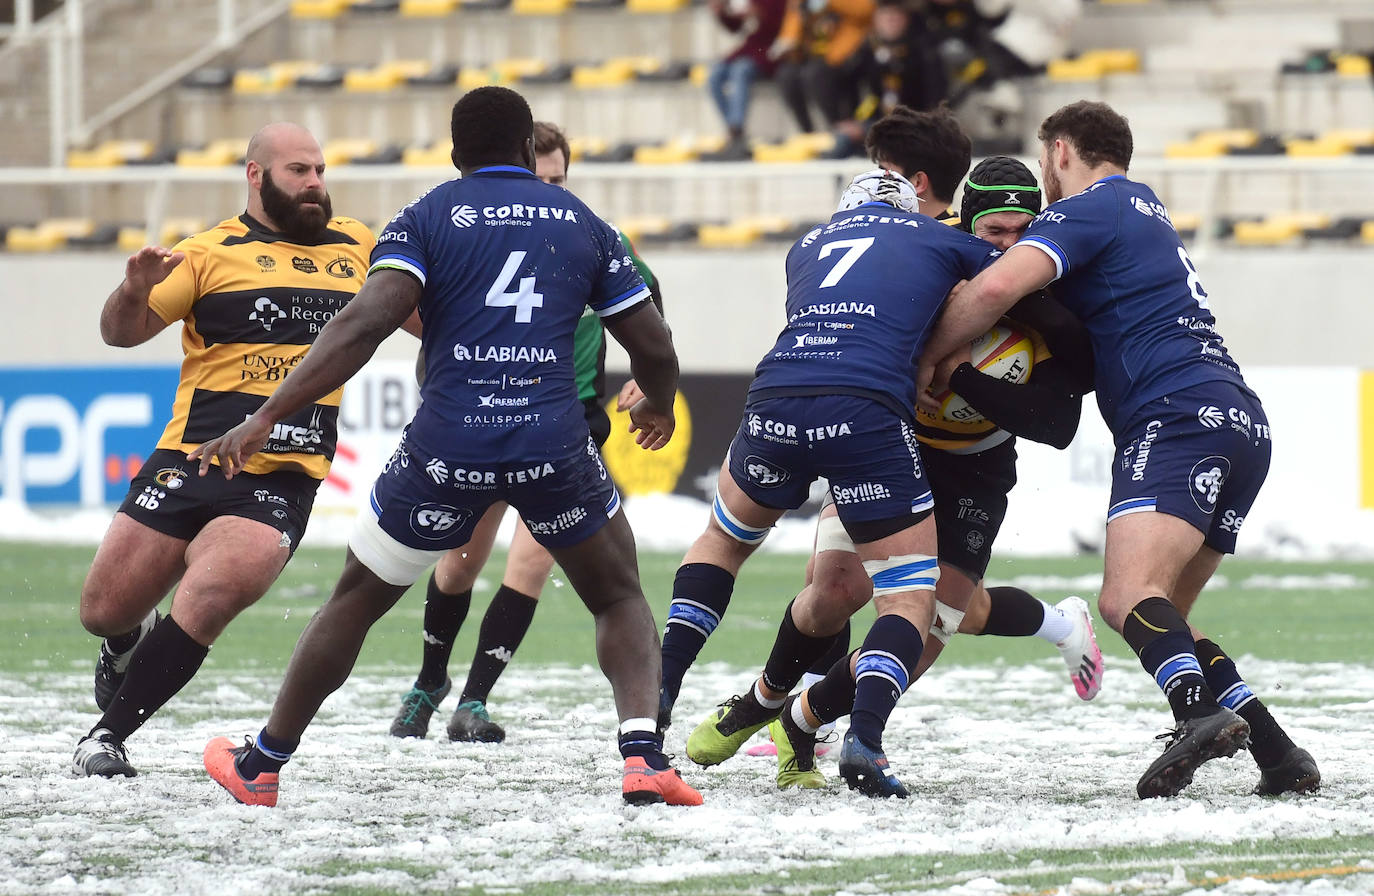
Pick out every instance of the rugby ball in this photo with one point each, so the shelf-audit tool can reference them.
(1004, 352)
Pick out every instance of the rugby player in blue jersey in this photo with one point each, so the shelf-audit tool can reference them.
(834, 398)
(1193, 442)
(500, 266)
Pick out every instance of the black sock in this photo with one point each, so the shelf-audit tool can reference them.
(648, 744)
(1160, 637)
(444, 615)
(793, 653)
(701, 593)
(881, 675)
(1013, 613)
(124, 643)
(1269, 743)
(268, 755)
(503, 628)
(166, 660)
(839, 649)
(832, 696)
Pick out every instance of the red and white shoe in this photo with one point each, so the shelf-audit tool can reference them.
(221, 762)
(641, 785)
(1079, 650)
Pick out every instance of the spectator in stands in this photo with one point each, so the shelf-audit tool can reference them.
(819, 50)
(899, 65)
(757, 22)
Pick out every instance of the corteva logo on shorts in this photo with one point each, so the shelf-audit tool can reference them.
(771, 430)
(1208, 476)
(858, 494)
(764, 474)
(561, 523)
(436, 521)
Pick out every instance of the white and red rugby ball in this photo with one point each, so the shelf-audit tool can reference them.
(1004, 352)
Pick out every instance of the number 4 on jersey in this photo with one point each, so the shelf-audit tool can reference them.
(524, 299)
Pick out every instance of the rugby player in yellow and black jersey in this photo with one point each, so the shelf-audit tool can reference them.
(251, 294)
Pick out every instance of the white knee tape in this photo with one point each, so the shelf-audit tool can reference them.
(733, 527)
(903, 572)
(392, 561)
(946, 623)
(830, 536)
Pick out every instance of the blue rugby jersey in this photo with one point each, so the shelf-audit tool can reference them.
(507, 264)
(1123, 271)
(862, 293)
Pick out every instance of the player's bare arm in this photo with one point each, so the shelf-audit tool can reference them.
(126, 320)
(346, 343)
(979, 303)
(653, 363)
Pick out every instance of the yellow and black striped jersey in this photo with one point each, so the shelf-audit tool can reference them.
(251, 303)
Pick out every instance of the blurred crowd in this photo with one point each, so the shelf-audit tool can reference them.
(840, 65)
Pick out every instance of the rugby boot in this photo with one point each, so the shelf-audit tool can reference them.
(471, 723)
(417, 708)
(1295, 773)
(1190, 744)
(111, 667)
(796, 753)
(724, 731)
(221, 761)
(1079, 650)
(866, 770)
(98, 754)
(642, 784)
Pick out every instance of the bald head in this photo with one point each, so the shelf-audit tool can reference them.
(286, 191)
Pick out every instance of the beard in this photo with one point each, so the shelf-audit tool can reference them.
(298, 221)
(1054, 189)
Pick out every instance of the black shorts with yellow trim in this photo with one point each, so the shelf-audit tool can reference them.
(171, 496)
(970, 502)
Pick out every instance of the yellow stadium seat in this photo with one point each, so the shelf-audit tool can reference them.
(48, 235)
(1211, 143)
(735, 235)
(767, 224)
(387, 76)
(1354, 136)
(1114, 61)
(783, 152)
(110, 154)
(1351, 65)
(578, 147)
(131, 239)
(343, 150)
(674, 152)
(1324, 146)
(1186, 221)
(216, 154)
(1367, 233)
(507, 71)
(318, 9)
(275, 77)
(699, 73)
(435, 156)
(611, 73)
(540, 7)
(1074, 70)
(1278, 229)
(426, 9)
(651, 6)
(635, 228)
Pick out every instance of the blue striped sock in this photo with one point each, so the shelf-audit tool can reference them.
(883, 671)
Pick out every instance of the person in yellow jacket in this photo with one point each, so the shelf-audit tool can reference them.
(819, 50)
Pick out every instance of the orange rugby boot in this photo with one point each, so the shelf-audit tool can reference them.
(642, 785)
(220, 762)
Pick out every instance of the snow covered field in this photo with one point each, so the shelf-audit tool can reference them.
(1018, 788)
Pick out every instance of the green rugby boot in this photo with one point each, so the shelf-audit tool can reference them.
(796, 753)
(724, 731)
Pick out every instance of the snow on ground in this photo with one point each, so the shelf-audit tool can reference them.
(1002, 761)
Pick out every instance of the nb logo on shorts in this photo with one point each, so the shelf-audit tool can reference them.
(1211, 417)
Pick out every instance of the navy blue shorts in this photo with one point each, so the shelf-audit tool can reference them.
(867, 452)
(1200, 454)
(433, 504)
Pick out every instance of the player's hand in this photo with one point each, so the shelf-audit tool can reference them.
(233, 449)
(629, 396)
(925, 376)
(653, 428)
(149, 266)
